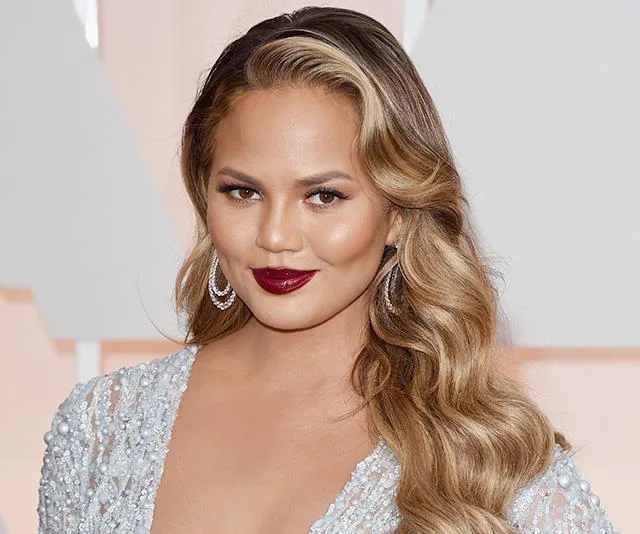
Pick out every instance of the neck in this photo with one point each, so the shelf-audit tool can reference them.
(313, 358)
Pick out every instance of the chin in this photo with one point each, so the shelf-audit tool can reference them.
(292, 317)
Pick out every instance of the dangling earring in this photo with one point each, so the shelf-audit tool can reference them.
(214, 292)
(390, 285)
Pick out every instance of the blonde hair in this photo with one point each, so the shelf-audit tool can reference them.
(465, 435)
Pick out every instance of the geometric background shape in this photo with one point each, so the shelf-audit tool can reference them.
(539, 100)
(81, 222)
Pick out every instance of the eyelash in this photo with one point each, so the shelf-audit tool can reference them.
(226, 188)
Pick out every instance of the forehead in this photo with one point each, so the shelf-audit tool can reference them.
(304, 129)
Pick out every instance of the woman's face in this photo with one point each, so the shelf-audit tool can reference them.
(287, 190)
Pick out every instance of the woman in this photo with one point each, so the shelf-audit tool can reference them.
(338, 314)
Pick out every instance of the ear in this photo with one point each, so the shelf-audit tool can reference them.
(395, 226)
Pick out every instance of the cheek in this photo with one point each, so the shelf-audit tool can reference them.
(343, 240)
(228, 230)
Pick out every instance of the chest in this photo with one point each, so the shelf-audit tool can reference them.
(253, 471)
(365, 503)
(157, 462)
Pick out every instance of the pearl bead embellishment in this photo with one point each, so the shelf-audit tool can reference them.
(63, 428)
(564, 481)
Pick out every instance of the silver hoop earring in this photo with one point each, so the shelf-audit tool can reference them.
(390, 280)
(214, 292)
(389, 286)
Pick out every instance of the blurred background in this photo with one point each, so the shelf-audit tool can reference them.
(539, 100)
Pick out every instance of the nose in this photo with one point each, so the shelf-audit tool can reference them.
(279, 229)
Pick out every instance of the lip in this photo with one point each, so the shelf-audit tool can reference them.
(281, 280)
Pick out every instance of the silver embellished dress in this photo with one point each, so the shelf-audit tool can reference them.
(109, 438)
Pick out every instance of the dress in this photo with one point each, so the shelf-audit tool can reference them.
(109, 438)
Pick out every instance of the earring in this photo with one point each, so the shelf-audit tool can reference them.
(214, 292)
(390, 280)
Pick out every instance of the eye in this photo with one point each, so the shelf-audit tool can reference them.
(243, 193)
(238, 192)
(326, 197)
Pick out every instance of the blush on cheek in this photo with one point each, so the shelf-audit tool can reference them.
(356, 239)
(219, 235)
(233, 235)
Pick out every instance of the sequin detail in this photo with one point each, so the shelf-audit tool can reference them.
(560, 500)
(110, 437)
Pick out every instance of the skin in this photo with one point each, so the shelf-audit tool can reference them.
(256, 448)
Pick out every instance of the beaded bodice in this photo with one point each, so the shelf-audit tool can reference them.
(109, 439)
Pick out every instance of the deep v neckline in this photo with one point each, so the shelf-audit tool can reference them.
(356, 476)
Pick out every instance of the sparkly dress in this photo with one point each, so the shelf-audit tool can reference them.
(109, 438)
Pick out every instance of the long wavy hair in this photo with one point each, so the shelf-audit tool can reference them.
(465, 435)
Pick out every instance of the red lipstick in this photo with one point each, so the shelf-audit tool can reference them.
(281, 280)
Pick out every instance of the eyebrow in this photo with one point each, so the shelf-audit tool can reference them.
(313, 179)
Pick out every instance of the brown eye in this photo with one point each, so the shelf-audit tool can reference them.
(238, 192)
(244, 193)
(326, 198)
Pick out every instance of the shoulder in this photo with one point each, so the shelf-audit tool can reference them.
(95, 421)
(156, 375)
(127, 379)
(559, 500)
(99, 397)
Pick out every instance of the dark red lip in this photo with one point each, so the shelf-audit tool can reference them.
(281, 280)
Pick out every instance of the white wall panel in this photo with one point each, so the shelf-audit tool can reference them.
(539, 100)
